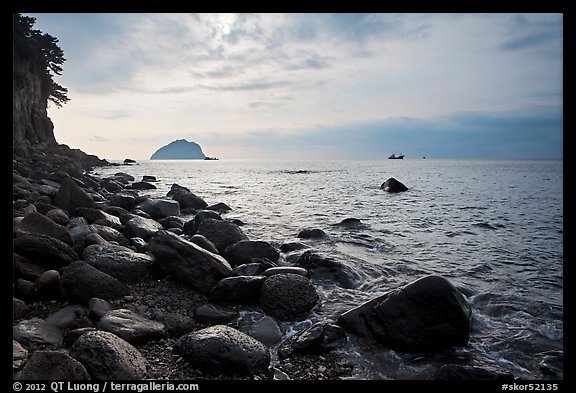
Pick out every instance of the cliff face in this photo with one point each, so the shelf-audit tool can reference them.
(30, 123)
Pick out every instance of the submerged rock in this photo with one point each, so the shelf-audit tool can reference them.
(393, 185)
(429, 314)
(325, 269)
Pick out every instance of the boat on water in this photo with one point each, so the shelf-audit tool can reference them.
(396, 156)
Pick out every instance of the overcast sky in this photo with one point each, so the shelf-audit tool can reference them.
(311, 86)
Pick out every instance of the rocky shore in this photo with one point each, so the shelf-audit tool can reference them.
(110, 283)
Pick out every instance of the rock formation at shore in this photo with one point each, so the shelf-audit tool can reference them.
(179, 149)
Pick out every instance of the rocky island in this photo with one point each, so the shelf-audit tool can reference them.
(180, 149)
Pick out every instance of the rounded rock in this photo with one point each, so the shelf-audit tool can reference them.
(288, 296)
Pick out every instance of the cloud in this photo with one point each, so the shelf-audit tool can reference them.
(534, 32)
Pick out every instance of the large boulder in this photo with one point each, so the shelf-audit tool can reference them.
(223, 349)
(39, 223)
(429, 314)
(393, 185)
(328, 270)
(107, 357)
(244, 250)
(73, 316)
(188, 262)
(237, 290)
(81, 281)
(110, 234)
(288, 296)
(160, 208)
(70, 196)
(142, 227)
(124, 200)
(220, 232)
(53, 365)
(120, 262)
(187, 199)
(132, 327)
(35, 333)
(46, 250)
(212, 314)
(191, 226)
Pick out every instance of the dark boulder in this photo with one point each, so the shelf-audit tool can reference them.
(429, 314)
(141, 227)
(35, 333)
(38, 223)
(97, 308)
(19, 308)
(319, 338)
(266, 330)
(172, 222)
(176, 188)
(292, 246)
(107, 357)
(46, 250)
(237, 290)
(73, 316)
(285, 269)
(80, 282)
(132, 327)
(124, 200)
(223, 349)
(325, 269)
(110, 234)
(187, 199)
(213, 314)
(204, 243)
(288, 296)
(48, 285)
(160, 208)
(312, 233)
(19, 355)
(149, 178)
(187, 262)
(221, 233)
(23, 268)
(245, 250)
(120, 262)
(219, 207)
(70, 196)
(142, 185)
(191, 227)
(253, 268)
(393, 185)
(53, 365)
(59, 216)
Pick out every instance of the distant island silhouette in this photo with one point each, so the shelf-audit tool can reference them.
(179, 149)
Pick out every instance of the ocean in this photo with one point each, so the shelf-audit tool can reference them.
(494, 228)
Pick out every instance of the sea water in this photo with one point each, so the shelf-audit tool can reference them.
(494, 228)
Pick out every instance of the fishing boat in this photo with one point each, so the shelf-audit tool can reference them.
(396, 156)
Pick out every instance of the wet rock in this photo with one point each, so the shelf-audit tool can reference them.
(120, 262)
(325, 269)
(312, 233)
(47, 285)
(70, 317)
(149, 178)
(160, 208)
(237, 290)
(124, 200)
(222, 349)
(110, 234)
(456, 372)
(24, 289)
(187, 199)
(139, 244)
(292, 246)
(285, 269)
(21, 181)
(132, 327)
(253, 268)
(142, 227)
(142, 185)
(321, 337)
(266, 330)
(19, 308)
(47, 190)
(187, 262)
(107, 357)
(125, 176)
(393, 185)
(221, 233)
(19, 355)
(26, 269)
(35, 333)
(245, 250)
(204, 243)
(46, 250)
(53, 365)
(191, 227)
(178, 325)
(81, 281)
(70, 196)
(429, 314)
(59, 216)
(288, 296)
(38, 223)
(552, 364)
(349, 223)
(172, 222)
(212, 314)
(219, 207)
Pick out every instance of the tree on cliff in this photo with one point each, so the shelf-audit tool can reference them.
(43, 51)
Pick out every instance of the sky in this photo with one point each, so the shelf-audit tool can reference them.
(311, 86)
